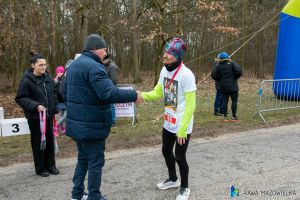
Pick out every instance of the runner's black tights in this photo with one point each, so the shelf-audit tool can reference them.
(169, 139)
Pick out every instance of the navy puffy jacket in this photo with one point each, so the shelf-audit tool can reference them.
(89, 93)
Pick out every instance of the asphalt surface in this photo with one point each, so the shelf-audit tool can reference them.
(261, 164)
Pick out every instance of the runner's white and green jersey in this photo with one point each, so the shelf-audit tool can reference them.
(179, 99)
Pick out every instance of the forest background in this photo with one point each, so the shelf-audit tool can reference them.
(136, 32)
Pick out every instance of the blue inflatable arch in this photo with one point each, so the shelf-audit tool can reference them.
(287, 65)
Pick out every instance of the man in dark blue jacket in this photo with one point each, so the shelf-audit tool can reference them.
(218, 104)
(89, 93)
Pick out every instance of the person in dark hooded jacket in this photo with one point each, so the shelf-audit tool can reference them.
(227, 72)
(36, 94)
(111, 68)
(112, 71)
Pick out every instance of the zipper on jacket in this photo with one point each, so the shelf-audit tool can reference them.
(46, 97)
(45, 90)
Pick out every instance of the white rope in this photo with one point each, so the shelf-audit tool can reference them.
(261, 29)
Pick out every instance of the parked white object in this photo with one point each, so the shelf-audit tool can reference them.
(15, 126)
(1, 113)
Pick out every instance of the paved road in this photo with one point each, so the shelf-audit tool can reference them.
(262, 164)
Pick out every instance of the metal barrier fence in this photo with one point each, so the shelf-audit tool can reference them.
(278, 95)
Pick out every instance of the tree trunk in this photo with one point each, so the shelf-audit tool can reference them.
(260, 46)
(84, 25)
(245, 8)
(157, 61)
(53, 61)
(135, 44)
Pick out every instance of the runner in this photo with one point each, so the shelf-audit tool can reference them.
(177, 87)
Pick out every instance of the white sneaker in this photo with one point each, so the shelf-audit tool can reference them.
(84, 197)
(184, 194)
(168, 184)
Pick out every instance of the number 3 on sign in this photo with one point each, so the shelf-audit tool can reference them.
(16, 128)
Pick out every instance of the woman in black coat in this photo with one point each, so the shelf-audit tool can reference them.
(227, 72)
(36, 94)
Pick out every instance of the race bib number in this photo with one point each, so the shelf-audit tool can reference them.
(170, 118)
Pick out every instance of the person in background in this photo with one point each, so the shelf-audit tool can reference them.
(89, 95)
(227, 73)
(61, 89)
(60, 70)
(218, 105)
(111, 68)
(37, 97)
(177, 87)
(112, 71)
